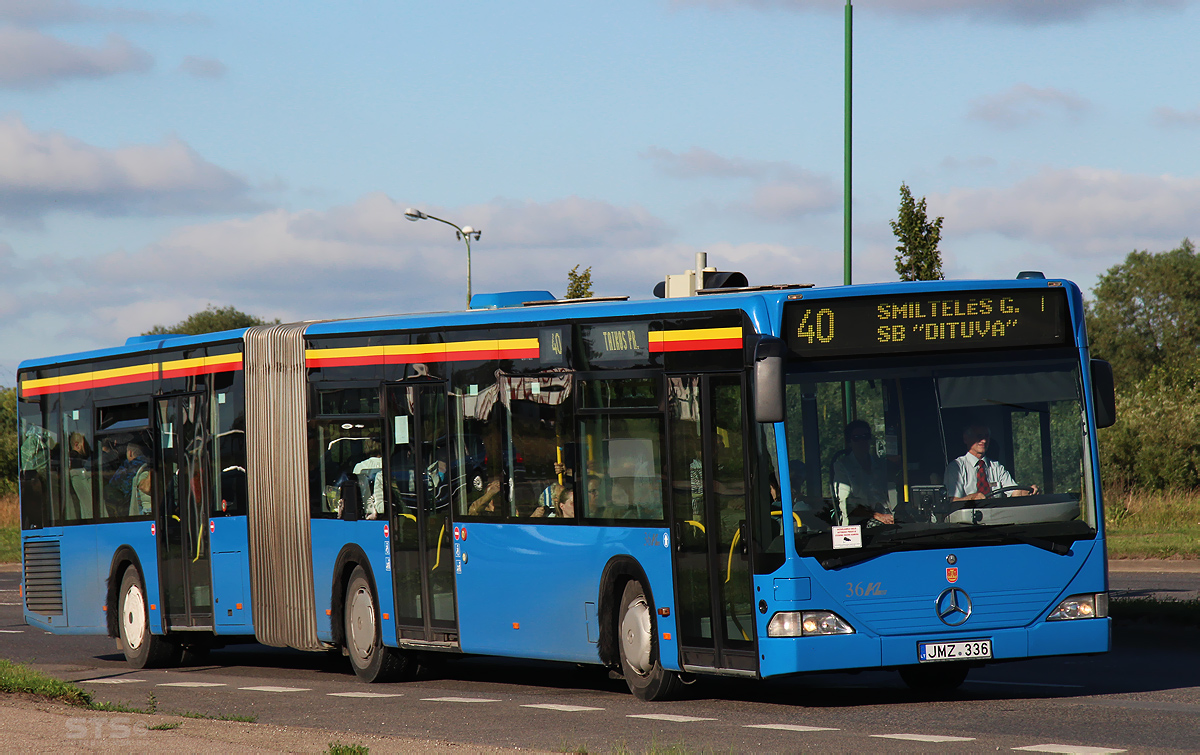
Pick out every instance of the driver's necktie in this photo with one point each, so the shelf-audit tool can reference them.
(981, 481)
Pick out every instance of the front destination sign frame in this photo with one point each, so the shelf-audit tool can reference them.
(929, 322)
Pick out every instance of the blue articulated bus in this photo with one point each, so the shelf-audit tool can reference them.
(750, 481)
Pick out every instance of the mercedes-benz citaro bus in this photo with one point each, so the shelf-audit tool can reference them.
(735, 480)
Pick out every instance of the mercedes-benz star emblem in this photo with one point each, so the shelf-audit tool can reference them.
(953, 606)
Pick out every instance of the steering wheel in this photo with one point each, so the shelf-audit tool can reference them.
(997, 492)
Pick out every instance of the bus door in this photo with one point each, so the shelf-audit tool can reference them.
(422, 537)
(185, 476)
(714, 605)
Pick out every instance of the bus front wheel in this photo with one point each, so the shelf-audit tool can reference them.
(371, 659)
(142, 648)
(935, 678)
(646, 677)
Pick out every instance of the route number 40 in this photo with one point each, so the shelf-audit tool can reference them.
(819, 328)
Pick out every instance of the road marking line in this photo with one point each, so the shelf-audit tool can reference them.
(924, 737)
(12, 631)
(190, 684)
(669, 717)
(1068, 749)
(563, 708)
(458, 700)
(789, 727)
(276, 689)
(364, 694)
(1025, 684)
(10, 604)
(109, 681)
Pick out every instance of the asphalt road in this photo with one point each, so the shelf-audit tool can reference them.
(1144, 696)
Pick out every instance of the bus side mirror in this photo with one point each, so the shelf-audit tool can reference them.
(1103, 393)
(768, 379)
(351, 501)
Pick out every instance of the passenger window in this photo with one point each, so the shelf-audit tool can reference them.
(622, 462)
(543, 458)
(79, 450)
(482, 442)
(625, 393)
(124, 461)
(229, 448)
(38, 463)
(346, 469)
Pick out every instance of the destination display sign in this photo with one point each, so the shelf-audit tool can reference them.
(927, 322)
(627, 342)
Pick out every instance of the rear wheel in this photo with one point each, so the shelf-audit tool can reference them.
(935, 678)
(646, 677)
(371, 659)
(142, 648)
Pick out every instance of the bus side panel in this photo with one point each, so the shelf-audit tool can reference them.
(329, 537)
(530, 591)
(231, 575)
(84, 578)
(141, 537)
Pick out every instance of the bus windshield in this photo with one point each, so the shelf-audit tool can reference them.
(937, 453)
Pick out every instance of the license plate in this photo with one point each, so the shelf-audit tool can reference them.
(954, 651)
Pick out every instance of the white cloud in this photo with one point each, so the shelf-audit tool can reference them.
(1173, 118)
(1029, 12)
(46, 171)
(1079, 212)
(783, 191)
(1023, 104)
(359, 259)
(203, 68)
(30, 59)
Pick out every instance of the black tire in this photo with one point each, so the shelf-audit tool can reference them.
(142, 648)
(637, 638)
(934, 678)
(371, 659)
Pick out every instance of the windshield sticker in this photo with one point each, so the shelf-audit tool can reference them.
(847, 537)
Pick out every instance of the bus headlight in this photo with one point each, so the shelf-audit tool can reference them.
(807, 624)
(1089, 606)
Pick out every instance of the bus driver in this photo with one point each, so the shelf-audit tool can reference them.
(971, 477)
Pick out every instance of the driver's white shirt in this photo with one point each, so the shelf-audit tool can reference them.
(960, 475)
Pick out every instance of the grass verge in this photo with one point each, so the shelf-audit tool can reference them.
(1152, 524)
(17, 678)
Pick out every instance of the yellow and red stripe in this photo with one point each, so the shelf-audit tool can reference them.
(201, 366)
(457, 351)
(138, 373)
(696, 339)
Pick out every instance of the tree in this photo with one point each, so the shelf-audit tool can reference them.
(917, 258)
(1144, 317)
(8, 441)
(211, 320)
(579, 285)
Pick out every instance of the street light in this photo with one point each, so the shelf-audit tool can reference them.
(465, 234)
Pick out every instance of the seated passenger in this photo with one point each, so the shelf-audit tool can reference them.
(486, 504)
(971, 477)
(80, 472)
(131, 482)
(368, 472)
(548, 500)
(860, 479)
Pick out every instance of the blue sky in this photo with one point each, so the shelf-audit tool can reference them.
(158, 157)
